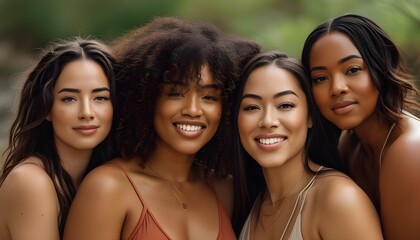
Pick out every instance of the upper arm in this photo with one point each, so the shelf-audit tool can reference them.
(98, 210)
(224, 191)
(400, 189)
(347, 213)
(32, 205)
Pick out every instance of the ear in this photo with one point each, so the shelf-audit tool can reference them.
(48, 117)
(310, 124)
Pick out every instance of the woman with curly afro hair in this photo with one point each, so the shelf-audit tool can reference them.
(174, 82)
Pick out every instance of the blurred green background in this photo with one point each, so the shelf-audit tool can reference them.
(26, 26)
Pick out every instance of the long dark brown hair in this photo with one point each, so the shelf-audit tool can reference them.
(386, 68)
(32, 135)
(248, 178)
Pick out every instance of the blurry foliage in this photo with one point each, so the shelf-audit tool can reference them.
(26, 26)
(276, 24)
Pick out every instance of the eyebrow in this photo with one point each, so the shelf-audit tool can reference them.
(341, 61)
(206, 86)
(277, 95)
(76, 90)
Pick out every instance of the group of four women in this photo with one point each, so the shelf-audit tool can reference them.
(186, 132)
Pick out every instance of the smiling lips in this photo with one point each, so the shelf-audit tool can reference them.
(188, 127)
(189, 130)
(270, 141)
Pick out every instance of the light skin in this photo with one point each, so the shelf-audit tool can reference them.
(186, 118)
(394, 184)
(273, 122)
(28, 202)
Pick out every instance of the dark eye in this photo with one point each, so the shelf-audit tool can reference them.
(210, 97)
(319, 79)
(250, 108)
(286, 105)
(102, 98)
(68, 99)
(353, 70)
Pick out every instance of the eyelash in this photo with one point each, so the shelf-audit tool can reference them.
(353, 70)
(68, 99)
(102, 98)
(211, 98)
(250, 108)
(285, 105)
(350, 71)
(98, 98)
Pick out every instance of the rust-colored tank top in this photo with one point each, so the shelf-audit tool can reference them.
(148, 228)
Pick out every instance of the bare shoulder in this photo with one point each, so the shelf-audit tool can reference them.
(106, 179)
(403, 155)
(338, 201)
(29, 203)
(399, 181)
(99, 209)
(337, 190)
(28, 180)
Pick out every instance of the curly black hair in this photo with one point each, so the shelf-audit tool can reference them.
(175, 47)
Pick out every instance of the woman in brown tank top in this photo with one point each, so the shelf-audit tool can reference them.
(173, 81)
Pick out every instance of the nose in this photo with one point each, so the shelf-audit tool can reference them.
(269, 119)
(192, 106)
(338, 86)
(86, 110)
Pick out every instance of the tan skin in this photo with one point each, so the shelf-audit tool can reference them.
(28, 201)
(107, 207)
(393, 186)
(274, 106)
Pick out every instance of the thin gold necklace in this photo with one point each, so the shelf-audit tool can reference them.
(175, 190)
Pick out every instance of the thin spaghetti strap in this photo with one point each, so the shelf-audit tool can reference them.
(308, 186)
(131, 182)
(385, 142)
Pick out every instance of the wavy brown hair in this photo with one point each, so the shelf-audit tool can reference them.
(32, 135)
(386, 68)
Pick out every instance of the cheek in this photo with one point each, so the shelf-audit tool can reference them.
(107, 114)
(214, 112)
(62, 114)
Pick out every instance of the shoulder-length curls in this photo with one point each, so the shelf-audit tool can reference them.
(173, 49)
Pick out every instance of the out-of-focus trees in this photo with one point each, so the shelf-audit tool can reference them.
(27, 26)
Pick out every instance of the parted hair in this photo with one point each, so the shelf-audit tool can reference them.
(173, 49)
(389, 75)
(32, 135)
(248, 178)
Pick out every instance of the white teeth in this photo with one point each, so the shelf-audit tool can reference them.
(269, 141)
(187, 127)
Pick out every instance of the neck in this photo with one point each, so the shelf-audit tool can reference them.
(75, 163)
(371, 136)
(172, 167)
(286, 179)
